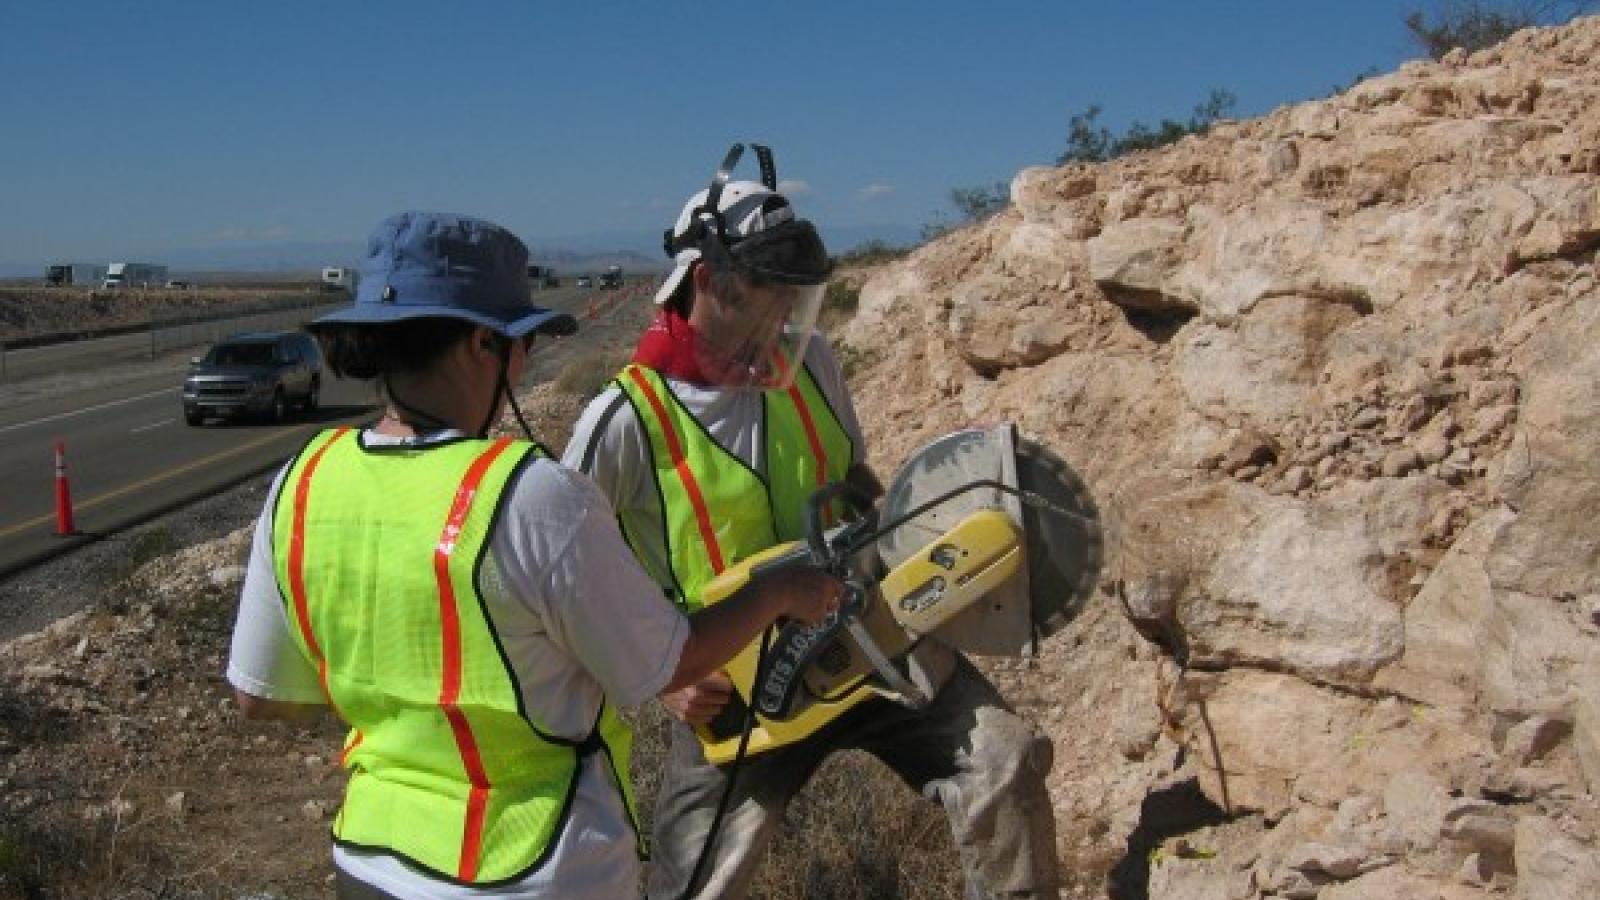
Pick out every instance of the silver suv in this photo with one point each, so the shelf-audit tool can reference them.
(263, 373)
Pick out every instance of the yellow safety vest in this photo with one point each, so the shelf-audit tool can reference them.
(716, 509)
(376, 554)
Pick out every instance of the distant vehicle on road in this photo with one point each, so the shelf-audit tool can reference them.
(179, 285)
(63, 274)
(131, 274)
(585, 281)
(611, 278)
(339, 278)
(542, 277)
(263, 373)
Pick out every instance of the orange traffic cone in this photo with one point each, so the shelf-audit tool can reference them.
(64, 525)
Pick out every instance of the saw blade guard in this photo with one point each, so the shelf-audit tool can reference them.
(1059, 525)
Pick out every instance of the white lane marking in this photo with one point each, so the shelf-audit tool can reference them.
(148, 427)
(86, 409)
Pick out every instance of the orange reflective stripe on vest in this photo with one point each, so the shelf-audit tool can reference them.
(680, 464)
(297, 560)
(815, 443)
(450, 686)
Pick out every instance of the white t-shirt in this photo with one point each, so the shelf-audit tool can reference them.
(580, 622)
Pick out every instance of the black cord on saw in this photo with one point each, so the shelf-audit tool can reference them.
(1031, 498)
(733, 775)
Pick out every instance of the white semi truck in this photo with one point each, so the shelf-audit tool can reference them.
(131, 274)
(339, 278)
(82, 274)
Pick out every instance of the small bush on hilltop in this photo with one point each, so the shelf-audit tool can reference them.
(1087, 142)
(1471, 25)
(975, 205)
(871, 253)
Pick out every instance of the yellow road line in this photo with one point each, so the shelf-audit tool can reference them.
(156, 479)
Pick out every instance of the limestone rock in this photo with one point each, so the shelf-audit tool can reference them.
(1338, 862)
(1286, 556)
(1533, 737)
(1416, 801)
(1586, 738)
(1552, 866)
(1135, 263)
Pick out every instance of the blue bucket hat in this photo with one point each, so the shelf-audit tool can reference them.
(439, 264)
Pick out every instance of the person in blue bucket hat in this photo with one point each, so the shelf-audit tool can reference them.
(464, 603)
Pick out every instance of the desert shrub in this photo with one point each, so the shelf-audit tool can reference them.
(974, 204)
(1473, 25)
(842, 297)
(871, 253)
(1088, 142)
(587, 376)
(141, 547)
(853, 362)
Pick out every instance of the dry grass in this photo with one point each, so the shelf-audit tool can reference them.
(585, 376)
(856, 832)
(30, 312)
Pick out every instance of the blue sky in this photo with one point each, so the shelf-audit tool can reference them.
(147, 130)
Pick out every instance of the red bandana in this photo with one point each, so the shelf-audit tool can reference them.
(668, 347)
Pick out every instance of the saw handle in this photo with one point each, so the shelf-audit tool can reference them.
(822, 555)
(728, 723)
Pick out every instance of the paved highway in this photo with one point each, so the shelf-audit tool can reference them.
(129, 454)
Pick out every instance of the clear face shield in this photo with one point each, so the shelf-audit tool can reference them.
(765, 292)
(753, 335)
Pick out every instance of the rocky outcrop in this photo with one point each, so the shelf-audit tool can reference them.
(1333, 372)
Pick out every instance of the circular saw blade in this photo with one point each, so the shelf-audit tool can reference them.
(1060, 524)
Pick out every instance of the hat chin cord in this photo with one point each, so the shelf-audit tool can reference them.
(416, 419)
(502, 388)
(421, 420)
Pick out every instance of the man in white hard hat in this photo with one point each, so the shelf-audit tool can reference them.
(708, 445)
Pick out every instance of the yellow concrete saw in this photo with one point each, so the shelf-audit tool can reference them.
(986, 541)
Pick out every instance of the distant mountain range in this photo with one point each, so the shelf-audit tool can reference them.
(634, 252)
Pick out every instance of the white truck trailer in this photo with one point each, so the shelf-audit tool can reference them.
(132, 274)
(336, 278)
(81, 274)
